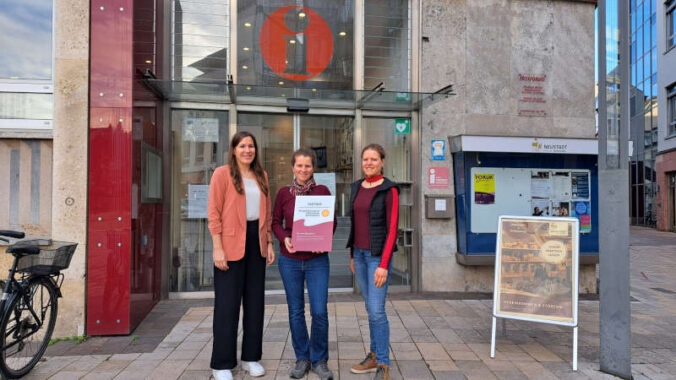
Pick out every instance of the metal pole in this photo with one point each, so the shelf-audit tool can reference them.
(575, 348)
(493, 339)
(615, 329)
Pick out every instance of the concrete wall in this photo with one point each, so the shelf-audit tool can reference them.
(480, 46)
(69, 194)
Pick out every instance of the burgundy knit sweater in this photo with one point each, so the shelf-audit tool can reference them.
(282, 219)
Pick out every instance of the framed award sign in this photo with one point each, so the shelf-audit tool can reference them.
(536, 269)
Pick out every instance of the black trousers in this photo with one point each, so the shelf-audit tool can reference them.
(242, 284)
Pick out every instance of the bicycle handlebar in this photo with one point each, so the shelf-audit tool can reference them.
(12, 234)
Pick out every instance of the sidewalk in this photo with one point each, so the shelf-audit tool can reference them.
(431, 338)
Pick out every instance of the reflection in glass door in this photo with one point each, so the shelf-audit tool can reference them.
(274, 136)
(398, 169)
(332, 140)
(200, 144)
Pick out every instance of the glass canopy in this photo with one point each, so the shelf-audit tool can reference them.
(297, 99)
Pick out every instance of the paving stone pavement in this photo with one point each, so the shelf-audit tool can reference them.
(431, 338)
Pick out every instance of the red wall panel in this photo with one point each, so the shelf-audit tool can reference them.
(110, 163)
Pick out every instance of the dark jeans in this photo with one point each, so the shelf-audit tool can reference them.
(242, 284)
(316, 273)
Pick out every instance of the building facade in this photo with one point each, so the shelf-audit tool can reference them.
(644, 106)
(666, 120)
(148, 92)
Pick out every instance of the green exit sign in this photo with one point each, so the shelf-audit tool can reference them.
(402, 96)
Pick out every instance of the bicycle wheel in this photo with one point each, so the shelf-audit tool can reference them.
(26, 328)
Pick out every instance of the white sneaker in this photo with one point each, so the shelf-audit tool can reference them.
(222, 374)
(254, 368)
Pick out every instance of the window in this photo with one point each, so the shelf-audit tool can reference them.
(26, 64)
(200, 40)
(26, 43)
(671, 23)
(671, 110)
(387, 44)
(306, 46)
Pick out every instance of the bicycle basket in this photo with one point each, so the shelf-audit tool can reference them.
(54, 256)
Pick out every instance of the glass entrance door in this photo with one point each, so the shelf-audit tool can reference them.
(200, 144)
(397, 144)
(331, 139)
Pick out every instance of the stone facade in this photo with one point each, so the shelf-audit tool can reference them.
(69, 194)
(481, 46)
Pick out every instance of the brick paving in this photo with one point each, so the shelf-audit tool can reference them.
(433, 337)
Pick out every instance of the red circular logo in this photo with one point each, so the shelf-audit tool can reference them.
(296, 42)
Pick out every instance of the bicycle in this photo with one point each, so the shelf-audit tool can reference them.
(29, 304)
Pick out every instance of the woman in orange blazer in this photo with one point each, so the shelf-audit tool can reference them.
(240, 226)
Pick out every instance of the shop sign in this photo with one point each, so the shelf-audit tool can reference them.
(439, 177)
(438, 150)
(297, 50)
(533, 98)
(402, 126)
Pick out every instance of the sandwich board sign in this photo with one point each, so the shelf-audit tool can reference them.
(536, 272)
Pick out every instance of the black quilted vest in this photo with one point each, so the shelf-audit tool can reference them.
(377, 216)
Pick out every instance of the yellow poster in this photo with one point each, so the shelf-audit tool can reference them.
(484, 188)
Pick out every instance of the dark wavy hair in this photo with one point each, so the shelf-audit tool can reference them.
(255, 165)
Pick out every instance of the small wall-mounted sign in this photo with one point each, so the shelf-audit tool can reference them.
(439, 177)
(438, 150)
(402, 126)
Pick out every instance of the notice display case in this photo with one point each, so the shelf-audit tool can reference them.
(497, 176)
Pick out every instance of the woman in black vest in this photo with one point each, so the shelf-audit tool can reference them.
(374, 209)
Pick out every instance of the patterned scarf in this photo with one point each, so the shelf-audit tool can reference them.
(297, 189)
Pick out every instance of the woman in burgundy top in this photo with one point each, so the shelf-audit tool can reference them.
(297, 268)
(375, 209)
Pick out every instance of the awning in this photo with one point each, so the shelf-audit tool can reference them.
(506, 144)
(295, 99)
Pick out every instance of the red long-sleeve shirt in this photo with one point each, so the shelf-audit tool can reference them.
(362, 237)
(282, 219)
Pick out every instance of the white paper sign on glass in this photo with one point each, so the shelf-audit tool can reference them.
(313, 223)
(198, 197)
(326, 179)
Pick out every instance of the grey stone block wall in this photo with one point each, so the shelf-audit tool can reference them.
(480, 46)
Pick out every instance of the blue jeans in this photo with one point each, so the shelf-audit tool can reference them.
(365, 267)
(316, 273)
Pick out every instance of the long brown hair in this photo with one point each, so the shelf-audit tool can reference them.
(255, 165)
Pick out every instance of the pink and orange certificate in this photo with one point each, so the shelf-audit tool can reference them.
(313, 223)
